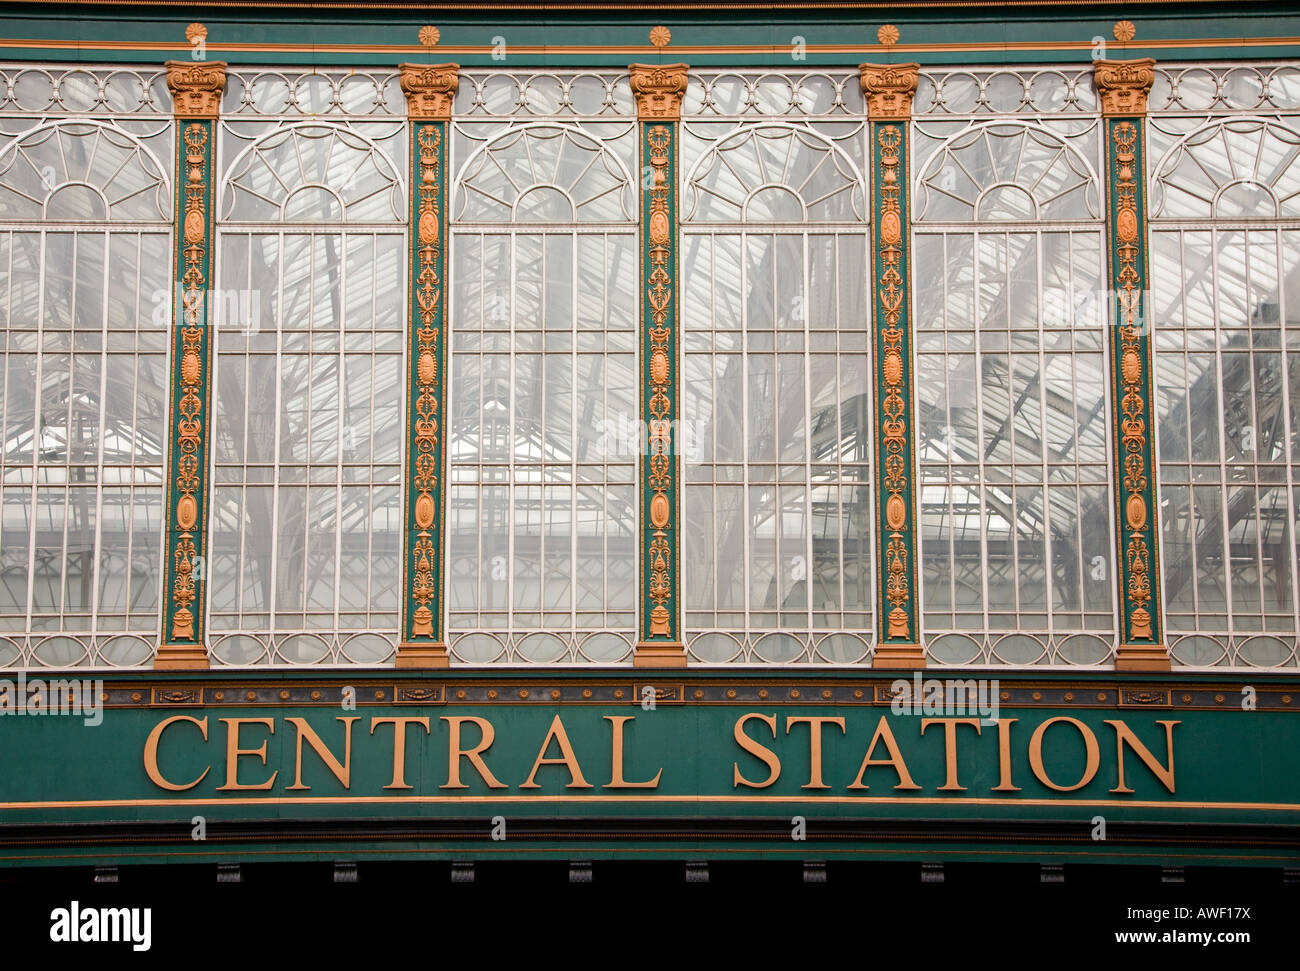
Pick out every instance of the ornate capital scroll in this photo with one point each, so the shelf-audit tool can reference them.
(659, 97)
(658, 89)
(182, 645)
(196, 87)
(1124, 86)
(422, 643)
(888, 89)
(429, 89)
(889, 97)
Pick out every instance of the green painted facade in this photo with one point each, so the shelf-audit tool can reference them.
(613, 36)
(190, 422)
(895, 401)
(426, 434)
(71, 793)
(1132, 389)
(660, 467)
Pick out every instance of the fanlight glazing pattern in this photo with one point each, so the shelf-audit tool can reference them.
(306, 509)
(772, 172)
(1234, 169)
(1226, 307)
(1006, 172)
(542, 444)
(314, 173)
(81, 171)
(778, 556)
(1013, 431)
(545, 173)
(85, 268)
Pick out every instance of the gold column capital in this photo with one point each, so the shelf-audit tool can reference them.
(196, 87)
(1124, 85)
(888, 89)
(429, 89)
(658, 89)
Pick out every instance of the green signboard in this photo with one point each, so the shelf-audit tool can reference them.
(556, 763)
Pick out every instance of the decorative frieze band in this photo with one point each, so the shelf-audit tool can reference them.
(659, 90)
(1123, 86)
(889, 90)
(196, 94)
(429, 91)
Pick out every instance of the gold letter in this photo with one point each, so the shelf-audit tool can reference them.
(341, 772)
(616, 780)
(883, 732)
(567, 759)
(1036, 754)
(151, 752)
(399, 745)
(754, 748)
(950, 746)
(814, 745)
(475, 755)
(1004, 756)
(233, 752)
(1124, 735)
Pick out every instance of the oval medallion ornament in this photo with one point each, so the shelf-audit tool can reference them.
(659, 367)
(659, 228)
(424, 511)
(428, 227)
(895, 512)
(1127, 225)
(893, 368)
(659, 511)
(890, 229)
(1131, 366)
(194, 226)
(426, 368)
(1136, 511)
(190, 368)
(187, 512)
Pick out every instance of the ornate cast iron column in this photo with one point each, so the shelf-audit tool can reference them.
(888, 89)
(659, 90)
(196, 97)
(1123, 86)
(429, 90)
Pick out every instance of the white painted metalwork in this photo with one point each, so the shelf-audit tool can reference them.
(306, 515)
(1224, 164)
(541, 530)
(28, 90)
(85, 263)
(1013, 427)
(589, 95)
(744, 95)
(778, 556)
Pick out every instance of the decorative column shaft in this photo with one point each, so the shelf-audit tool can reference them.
(429, 90)
(196, 96)
(659, 90)
(1123, 86)
(889, 90)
